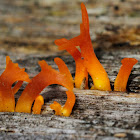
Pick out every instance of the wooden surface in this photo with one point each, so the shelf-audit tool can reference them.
(27, 33)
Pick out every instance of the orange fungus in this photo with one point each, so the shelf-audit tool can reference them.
(94, 67)
(86, 63)
(11, 74)
(124, 72)
(66, 110)
(63, 68)
(46, 77)
(87, 58)
(17, 86)
(39, 101)
(81, 72)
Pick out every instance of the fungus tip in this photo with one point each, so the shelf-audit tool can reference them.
(57, 108)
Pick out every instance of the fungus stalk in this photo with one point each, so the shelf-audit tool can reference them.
(11, 74)
(124, 72)
(94, 67)
(80, 72)
(39, 101)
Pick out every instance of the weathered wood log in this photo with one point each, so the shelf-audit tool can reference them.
(96, 114)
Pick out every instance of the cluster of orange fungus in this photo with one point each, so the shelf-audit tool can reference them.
(124, 72)
(86, 63)
(46, 77)
(86, 60)
(30, 94)
(11, 75)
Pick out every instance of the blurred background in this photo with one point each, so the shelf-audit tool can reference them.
(28, 29)
(31, 26)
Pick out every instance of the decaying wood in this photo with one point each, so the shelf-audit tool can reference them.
(96, 114)
(27, 33)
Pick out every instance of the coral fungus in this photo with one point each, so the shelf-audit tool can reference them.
(11, 74)
(125, 70)
(81, 72)
(90, 61)
(94, 67)
(86, 63)
(46, 77)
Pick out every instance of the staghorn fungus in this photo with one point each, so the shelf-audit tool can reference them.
(86, 62)
(80, 72)
(66, 110)
(124, 72)
(94, 67)
(46, 77)
(11, 74)
(92, 64)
